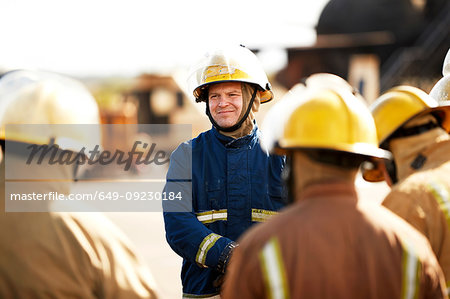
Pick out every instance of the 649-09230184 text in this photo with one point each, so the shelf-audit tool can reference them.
(98, 195)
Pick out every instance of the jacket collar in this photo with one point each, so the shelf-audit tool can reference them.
(433, 146)
(229, 142)
(332, 190)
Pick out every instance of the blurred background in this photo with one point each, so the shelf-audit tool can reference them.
(134, 57)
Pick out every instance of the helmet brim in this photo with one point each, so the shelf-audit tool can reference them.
(363, 150)
(443, 111)
(265, 95)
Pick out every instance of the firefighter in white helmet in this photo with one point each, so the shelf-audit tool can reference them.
(232, 182)
(57, 254)
(414, 127)
(329, 243)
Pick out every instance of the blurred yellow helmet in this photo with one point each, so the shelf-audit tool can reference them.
(229, 64)
(392, 110)
(33, 102)
(332, 119)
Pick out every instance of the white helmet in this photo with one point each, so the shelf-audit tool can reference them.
(446, 66)
(33, 102)
(229, 64)
(440, 91)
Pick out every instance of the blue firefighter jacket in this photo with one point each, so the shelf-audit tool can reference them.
(230, 185)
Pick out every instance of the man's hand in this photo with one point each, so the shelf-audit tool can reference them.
(225, 257)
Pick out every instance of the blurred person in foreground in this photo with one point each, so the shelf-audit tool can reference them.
(414, 127)
(329, 243)
(57, 254)
(233, 183)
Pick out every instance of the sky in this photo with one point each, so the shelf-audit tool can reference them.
(126, 38)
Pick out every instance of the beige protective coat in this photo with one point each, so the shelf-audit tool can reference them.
(332, 246)
(423, 197)
(66, 255)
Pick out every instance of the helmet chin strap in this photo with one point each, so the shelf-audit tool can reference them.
(239, 123)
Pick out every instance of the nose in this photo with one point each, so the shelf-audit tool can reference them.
(223, 101)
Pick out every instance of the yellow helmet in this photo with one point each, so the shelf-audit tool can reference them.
(230, 64)
(394, 109)
(274, 123)
(401, 104)
(33, 102)
(328, 118)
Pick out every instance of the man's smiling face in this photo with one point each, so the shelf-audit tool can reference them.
(225, 103)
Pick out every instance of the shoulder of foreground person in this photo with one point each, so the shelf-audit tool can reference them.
(120, 271)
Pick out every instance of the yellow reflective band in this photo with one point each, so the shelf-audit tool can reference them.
(411, 272)
(216, 73)
(205, 246)
(259, 215)
(211, 216)
(443, 197)
(441, 193)
(273, 270)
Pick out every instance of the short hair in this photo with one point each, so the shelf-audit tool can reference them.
(345, 160)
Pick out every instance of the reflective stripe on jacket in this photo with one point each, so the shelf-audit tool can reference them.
(423, 199)
(329, 244)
